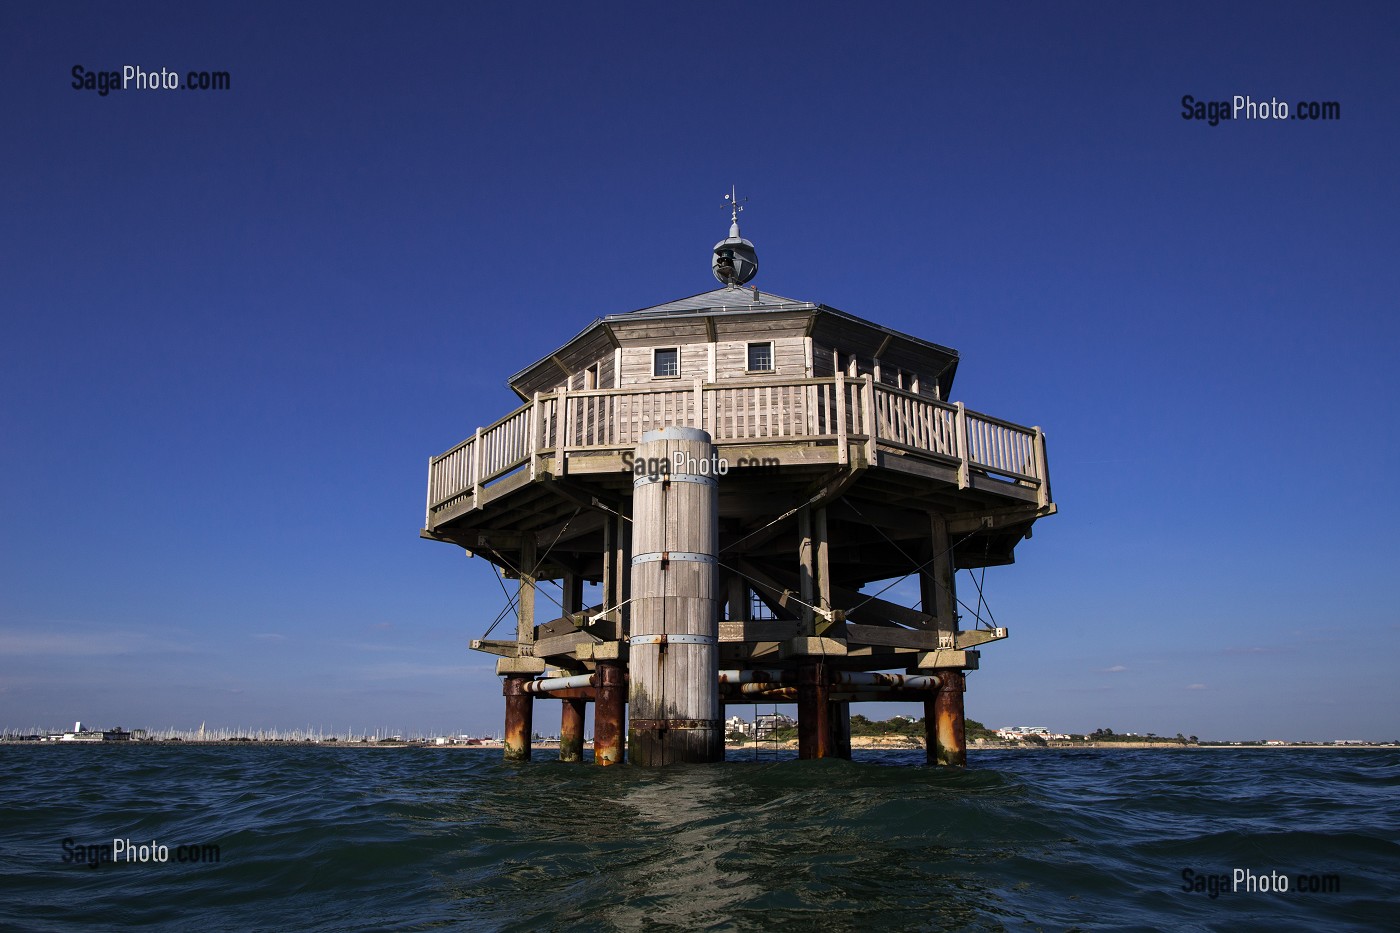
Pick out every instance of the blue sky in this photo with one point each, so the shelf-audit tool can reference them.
(237, 324)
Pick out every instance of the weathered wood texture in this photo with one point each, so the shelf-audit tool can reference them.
(938, 585)
(752, 411)
(673, 653)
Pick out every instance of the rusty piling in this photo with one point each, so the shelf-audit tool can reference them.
(945, 735)
(571, 730)
(813, 710)
(609, 713)
(520, 709)
(840, 713)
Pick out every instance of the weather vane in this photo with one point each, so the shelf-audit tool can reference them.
(736, 206)
(734, 261)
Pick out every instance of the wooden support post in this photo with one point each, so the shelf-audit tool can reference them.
(573, 592)
(609, 564)
(673, 644)
(840, 714)
(562, 429)
(813, 710)
(937, 584)
(964, 451)
(872, 429)
(535, 421)
(476, 468)
(622, 572)
(843, 453)
(608, 714)
(571, 730)
(1042, 469)
(520, 717)
(822, 567)
(738, 599)
(525, 626)
(945, 736)
(806, 588)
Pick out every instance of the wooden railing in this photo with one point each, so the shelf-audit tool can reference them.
(836, 409)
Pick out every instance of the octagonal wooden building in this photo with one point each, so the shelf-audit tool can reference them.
(823, 450)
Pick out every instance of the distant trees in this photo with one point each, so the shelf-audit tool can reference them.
(898, 725)
(1108, 735)
(975, 730)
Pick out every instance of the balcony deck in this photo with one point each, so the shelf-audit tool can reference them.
(778, 423)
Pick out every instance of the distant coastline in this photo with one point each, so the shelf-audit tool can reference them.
(868, 743)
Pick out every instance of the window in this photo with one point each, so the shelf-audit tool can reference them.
(761, 357)
(666, 362)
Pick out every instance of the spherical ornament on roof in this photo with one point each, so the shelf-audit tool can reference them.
(734, 262)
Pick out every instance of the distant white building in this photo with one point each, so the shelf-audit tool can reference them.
(768, 723)
(79, 734)
(1017, 733)
(736, 724)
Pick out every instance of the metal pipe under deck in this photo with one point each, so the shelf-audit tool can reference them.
(755, 676)
(757, 681)
(780, 694)
(891, 681)
(550, 684)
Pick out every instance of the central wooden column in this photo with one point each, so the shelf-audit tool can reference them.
(945, 736)
(673, 660)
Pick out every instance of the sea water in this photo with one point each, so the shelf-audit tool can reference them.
(386, 838)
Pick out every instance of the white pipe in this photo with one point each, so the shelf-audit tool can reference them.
(546, 684)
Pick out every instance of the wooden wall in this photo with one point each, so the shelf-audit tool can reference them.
(716, 350)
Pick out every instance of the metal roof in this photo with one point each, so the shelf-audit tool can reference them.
(730, 298)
